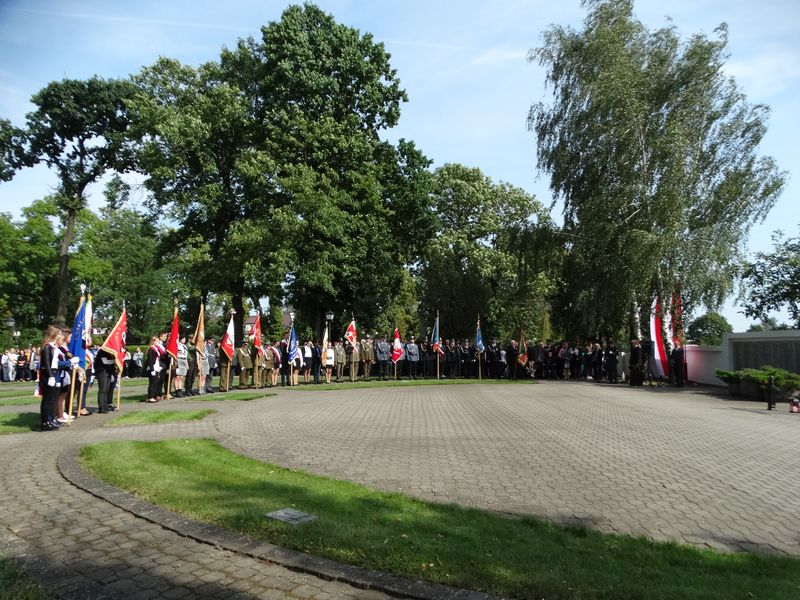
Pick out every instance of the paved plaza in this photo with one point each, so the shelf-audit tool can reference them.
(686, 465)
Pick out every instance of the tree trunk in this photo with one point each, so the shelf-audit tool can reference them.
(62, 284)
(635, 319)
(239, 317)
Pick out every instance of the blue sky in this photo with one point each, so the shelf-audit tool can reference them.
(462, 63)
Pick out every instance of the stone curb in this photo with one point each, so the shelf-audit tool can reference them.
(323, 568)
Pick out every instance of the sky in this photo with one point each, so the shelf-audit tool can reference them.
(463, 64)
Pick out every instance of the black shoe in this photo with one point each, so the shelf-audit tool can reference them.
(110, 407)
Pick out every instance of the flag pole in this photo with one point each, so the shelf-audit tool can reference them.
(71, 395)
(119, 372)
(291, 360)
(478, 350)
(435, 342)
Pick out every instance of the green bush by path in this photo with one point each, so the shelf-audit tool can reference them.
(16, 585)
(517, 557)
(149, 417)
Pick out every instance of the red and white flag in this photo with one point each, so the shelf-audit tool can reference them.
(397, 347)
(227, 342)
(350, 334)
(257, 336)
(115, 342)
(174, 334)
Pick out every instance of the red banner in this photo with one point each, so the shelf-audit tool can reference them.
(115, 342)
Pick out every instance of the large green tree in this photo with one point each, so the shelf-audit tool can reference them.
(77, 130)
(653, 150)
(708, 329)
(487, 257)
(772, 281)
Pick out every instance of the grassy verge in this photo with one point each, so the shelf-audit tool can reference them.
(15, 585)
(20, 400)
(522, 558)
(346, 385)
(243, 395)
(158, 416)
(19, 422)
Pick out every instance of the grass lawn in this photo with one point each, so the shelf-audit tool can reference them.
(158, 416)
(20, 399)
(522, 558)
(346, 385)
(243, 395)
(15, 585)
(19, 422)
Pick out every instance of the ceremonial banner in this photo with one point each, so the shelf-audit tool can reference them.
(350, 334)
(437, 347)
(660, 363)
(77, 344)
(479, 338)
(174, 334)
(115, 342)
(227, 341)
(199, 337)
(397, 347)
(294, 347)
(523, 349)
(257, 336)
(324, 353)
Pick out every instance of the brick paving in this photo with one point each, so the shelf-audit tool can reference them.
(680, 465)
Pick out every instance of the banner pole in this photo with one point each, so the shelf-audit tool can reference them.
(71, 395)
(119, 388)
(228, 376)
(169, 379)
(478, 352)
(437, 365)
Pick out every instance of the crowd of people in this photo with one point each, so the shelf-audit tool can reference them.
(192, 370)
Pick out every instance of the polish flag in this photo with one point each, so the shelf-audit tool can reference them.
(350, 334)
(397, 347)
(226, 343)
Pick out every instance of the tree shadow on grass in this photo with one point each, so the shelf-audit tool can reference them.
(19, 422)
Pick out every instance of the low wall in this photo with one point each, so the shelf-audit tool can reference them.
(702, 361)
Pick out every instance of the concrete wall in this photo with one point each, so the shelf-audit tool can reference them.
(740, 350)
(702, 361)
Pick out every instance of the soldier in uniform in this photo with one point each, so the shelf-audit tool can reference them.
(268, 366)
(245, 365)
(383, 354)
(612, 360)
(257, 360)
(355, 358)
(412, 357)
(340, 358)
(224, 365)
(368, 356)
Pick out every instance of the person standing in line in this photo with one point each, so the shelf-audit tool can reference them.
(207, 365)
(225, 368)
(245, 364)
(412, 356)
(330, 361)
(105, 368)
(340, 359)
(355, 359)
(383, 353)
(155, 367)
(367, 355)
(48, 388)
(181, 367)
(677, 363)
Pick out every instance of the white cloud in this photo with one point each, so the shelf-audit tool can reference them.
(766, 74)
(494, 56)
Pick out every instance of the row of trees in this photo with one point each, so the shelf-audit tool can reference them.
(266, 175)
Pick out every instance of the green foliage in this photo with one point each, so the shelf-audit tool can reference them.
(490, 256)
(510, 557)
(16, 585)
(784, 380)
(77, 129)
(652, 148)
(707, 329)
(119, 258)
(772, 281)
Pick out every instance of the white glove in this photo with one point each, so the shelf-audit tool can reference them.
(153, 373)
(51, 381)
(74, 360)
